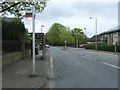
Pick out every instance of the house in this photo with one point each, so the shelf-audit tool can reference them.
(93, 39)
(111, 36)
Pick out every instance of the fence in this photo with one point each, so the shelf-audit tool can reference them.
(10, 46)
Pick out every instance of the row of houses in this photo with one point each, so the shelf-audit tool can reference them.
(109, 37)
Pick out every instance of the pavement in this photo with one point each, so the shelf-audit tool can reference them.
(17, 75)
(98, 51)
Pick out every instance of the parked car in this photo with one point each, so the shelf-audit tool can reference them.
(47, 46)
(82, 45)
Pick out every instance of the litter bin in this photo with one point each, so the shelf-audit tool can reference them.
(36, 51)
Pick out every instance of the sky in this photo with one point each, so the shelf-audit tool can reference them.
(76, 14)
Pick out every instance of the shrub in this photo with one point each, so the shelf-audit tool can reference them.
(90, 47)
(110, 48)
(118, 48)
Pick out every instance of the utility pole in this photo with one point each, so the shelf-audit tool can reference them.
(95, 32)
(85, 34)
(77, 40)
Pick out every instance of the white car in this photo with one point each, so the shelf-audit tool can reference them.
(47, 46)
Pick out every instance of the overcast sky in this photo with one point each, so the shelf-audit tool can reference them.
(75, 14)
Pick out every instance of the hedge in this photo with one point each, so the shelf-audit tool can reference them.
(110, 48)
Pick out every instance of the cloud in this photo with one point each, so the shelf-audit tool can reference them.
(76, 14)
(56, 10)
(96, 8)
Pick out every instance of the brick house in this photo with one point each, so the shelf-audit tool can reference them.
(111, 36)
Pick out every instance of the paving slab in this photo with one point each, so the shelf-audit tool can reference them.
(16, 75)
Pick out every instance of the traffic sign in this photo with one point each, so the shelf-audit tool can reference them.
(28, 12)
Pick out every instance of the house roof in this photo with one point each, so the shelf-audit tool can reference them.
(116, 29)
(93, 39)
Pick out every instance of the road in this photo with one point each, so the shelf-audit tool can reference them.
(80, 68)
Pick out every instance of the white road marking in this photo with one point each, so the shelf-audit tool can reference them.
(105, 63)
(51, 74)
(77, 63)
(51, 62)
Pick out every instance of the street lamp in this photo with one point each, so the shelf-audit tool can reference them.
(95, 31)
(41, 27)
(65, 41)
(85, 31)
(76, 40)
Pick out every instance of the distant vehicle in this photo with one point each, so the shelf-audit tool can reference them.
(82, 45)
(47, 46)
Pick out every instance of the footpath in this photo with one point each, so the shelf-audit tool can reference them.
(98, 51)
(16, 75)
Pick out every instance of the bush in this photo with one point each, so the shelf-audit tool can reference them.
(27, 46)
(110, 48)
(90, 47)
(118, 48)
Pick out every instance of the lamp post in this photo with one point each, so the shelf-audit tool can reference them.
(41, 27)
(76, 40)
(65, 41)
(95, 32)
(85, 31)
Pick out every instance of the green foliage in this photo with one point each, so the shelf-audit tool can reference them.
(66, 34)
(110, 48)
(59, 33)
(118, 48)
(14, 30)
(18, 9)
(90, 47)
(27, 46)
(54, 32)
(77, 33)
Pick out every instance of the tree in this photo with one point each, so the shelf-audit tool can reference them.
(17, 8)
(15, 31)
(78, 35)
(66, 35)
(58, 34)
(53, 35)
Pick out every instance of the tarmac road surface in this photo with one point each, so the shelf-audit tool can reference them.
(80, 68)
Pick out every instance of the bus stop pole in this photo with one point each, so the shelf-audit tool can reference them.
(33, 44)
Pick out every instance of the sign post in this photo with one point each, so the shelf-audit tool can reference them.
(33, 74)
(115, 47)
(30, 12)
